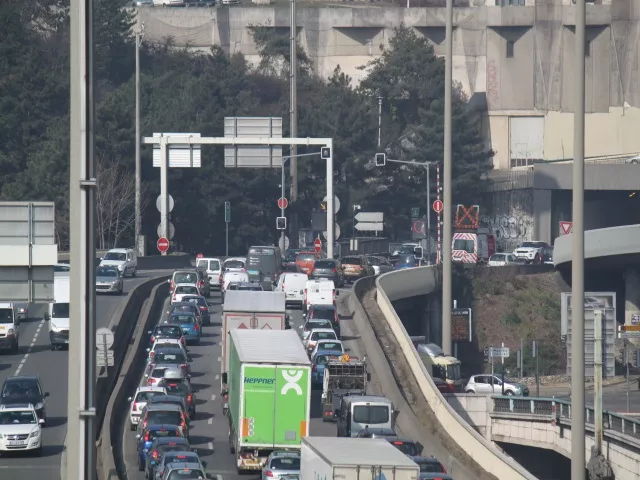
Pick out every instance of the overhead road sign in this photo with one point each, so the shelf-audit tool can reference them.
(369, 221)
(181, 155)
(253, 156)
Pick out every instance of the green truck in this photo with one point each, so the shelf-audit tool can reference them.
(269, 382)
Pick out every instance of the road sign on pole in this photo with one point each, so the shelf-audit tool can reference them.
(252, 156)
(566, 228)
(336, 203)
(283, 203)
(172, 230)
(317, 245)
(104, 342)
(162, 244)
(438, 206)
(369, 221)
(227, 212)
(499, 352)
(336, 230)
(159, 203)
(415, 212)
(180, 155)
(283, 245)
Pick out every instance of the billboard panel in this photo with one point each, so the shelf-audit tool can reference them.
(606, 302)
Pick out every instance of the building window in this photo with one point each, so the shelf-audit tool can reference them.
(587, 48)
(522, 162)
(510, 48)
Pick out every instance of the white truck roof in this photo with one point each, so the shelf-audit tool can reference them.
(269, 346)
(340, 451)
(255, 302)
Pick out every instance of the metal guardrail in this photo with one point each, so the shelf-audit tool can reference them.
(561, 410)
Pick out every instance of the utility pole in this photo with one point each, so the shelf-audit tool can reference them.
(447, 210)
(81, 458)
(293, 115)
(577, 262)
(138, 213)
(379, 121)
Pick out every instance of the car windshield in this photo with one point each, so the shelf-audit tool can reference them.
(408, 448)
(351, 261)
(182, 289)
(531, 245)
(169, 357)
(17, 417)
(323, 314)
(407, 259)
(172, 331)
(178, 453)
(199, 301)
(318, 324)
(6, 315)
(323, 336)
(183, 308)
(145, 396)
(163, 432)
(185, 277)
(183, 319)
(106, 272)
(430, 467)
(324, 264)
(61, 268)
(170, 417)
(175, 388)
(158, 372)
(305, 257)
(453, 372)
(285, 463)
(60, 310)
(290, 256)
(371, 414)
(234, 264)
(185, 473)
(117, 256)
(21, 388)
(498, 257)
(464, 245)
(331, 346)
(406, 249)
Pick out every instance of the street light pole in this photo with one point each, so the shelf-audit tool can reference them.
(138, 214)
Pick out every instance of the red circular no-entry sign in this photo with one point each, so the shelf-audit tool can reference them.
(317, 245)
(162, 244)
(438, 206)
(283, 203)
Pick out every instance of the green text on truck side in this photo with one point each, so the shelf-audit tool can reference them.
(269, 382)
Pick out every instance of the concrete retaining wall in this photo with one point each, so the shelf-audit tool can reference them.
(151, 262)
(453, 431)
(135, 318)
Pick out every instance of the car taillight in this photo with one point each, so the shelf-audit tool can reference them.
(135, 407)
(189, 398)
(335, 270)
(269, 473)
(444, 470)
(315, 368)
(173, 285)
(146, 437)
(204, 309)
(184, 366)
(151, 354)
(151, 382)
(305, 295)
(197, 326)
(154, 455)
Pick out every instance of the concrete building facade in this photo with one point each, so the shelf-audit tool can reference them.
(515, 63)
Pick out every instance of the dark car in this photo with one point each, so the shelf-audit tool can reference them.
(431, 469)
(186, 307)
(171, 400)
(171, 356)
(148, 433)
(380, 264)
(172, 332)
(325, 312)
(289, 261)
(25, 389)
(328, 268)
(158, 447)
(183, 388)
(406, 446)
(200, 302)
(406, 261)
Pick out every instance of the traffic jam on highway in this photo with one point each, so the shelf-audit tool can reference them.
(274, 380)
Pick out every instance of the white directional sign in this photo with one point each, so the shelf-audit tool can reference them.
(500, 352)
(104, 338)
(181, 155)
(372, 217)
(104, 358)
(369, 227)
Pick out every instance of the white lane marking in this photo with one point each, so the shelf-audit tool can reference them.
(31, 345)
(210, 422)
(217, 376)
(213, 397)
(210, 445)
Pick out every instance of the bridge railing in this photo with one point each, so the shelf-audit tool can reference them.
(561, 410)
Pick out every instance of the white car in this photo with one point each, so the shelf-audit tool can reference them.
(166, 342)
(532, 252)
(213, 266)
(501, 260)
(124, 259)
(332, 345)
(138, 402)
(235, 264)
(235, 277)
(293, 285)
(319, 334)
(20, 429)
(182, 289)
(319, 292)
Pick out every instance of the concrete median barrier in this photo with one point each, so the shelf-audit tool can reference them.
(418, 390)
(110, 461)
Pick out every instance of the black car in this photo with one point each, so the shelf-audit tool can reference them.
(25, 389)
(181, 387)
(159, 446)
(201, 303)
(171, 399)
(289, 261)
(328, 268)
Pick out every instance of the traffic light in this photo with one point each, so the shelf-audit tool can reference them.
(325, 153)
(281, 223)
(381, 159)
(323, 206)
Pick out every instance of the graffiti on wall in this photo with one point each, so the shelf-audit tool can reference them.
(510, 230)
(492, 81)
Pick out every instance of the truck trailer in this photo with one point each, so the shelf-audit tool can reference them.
(269, 381)
(342, 377)
(249, 310)
(328, 458)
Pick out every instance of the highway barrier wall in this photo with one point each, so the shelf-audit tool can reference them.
(428, 404)
(110, 461)
(150, 262)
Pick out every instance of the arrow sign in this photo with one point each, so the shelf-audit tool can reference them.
(369, 227)
(372, 217)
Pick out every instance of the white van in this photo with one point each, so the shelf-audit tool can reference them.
(9, 328)
(124, 259)
(213, 266)
(293, 285)
(58, 313)
(319, 292)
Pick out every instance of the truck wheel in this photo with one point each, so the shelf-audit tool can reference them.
(232, 446)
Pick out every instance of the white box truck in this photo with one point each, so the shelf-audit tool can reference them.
(251, 310)
(328, 458)
(58, 312)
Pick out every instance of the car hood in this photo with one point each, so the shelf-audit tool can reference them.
(32, 399)
(111, 263)
(527, 249)
(106, 279)
(17, 429)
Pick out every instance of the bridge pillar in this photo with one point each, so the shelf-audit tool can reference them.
(599, 467)
(433, 317)
(632, 298)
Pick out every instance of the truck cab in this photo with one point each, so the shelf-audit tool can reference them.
(57, 314)
(439, 365)
(367, 411)
(473, 246)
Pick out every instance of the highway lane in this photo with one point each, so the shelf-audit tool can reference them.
(210, 429)
(35, 358)
(614, 397)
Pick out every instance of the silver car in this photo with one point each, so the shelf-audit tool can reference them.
(22, 311)
(109, 280)
(282, 465)
(492, 385)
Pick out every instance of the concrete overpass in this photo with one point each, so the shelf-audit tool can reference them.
(540, 423)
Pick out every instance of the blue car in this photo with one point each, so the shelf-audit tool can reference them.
(319, 361)
(149, 434)
(406, 261)
(189, 324)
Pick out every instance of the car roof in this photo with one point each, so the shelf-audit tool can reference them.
(185, 284)
(166, 397)
(150, 389)
(162, 426)
(159, 406)
(119, 250)
(182, 440)
(17, 406)
(322, 307)
(285, 454)
(181, 465)
(21, 378)
(168, 347)
(323, 330)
